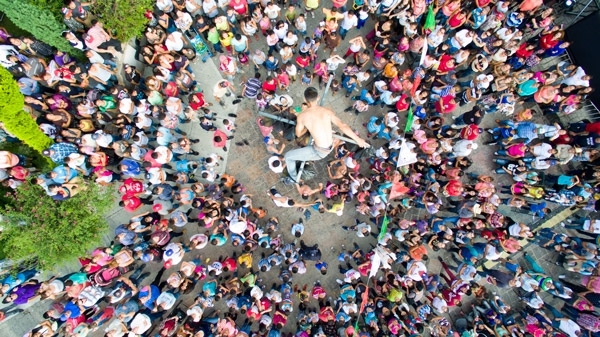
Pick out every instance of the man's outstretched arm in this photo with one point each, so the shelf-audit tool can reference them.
(348, 131)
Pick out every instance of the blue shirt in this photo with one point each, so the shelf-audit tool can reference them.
(130, 167)
(61, 151)
(62, 176)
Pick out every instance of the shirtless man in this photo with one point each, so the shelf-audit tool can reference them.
(306, 191)
(318, 121)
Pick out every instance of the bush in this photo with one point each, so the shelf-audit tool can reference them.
(17, 121)
(44, 233)
(124, 17)
(41, 23)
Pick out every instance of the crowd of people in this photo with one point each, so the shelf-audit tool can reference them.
(421, 62)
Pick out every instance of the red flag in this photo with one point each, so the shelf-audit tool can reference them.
(364, 299)
(416, 85)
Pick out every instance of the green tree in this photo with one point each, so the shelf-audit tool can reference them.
(54, 6)
(15, 120)
(41, 23)
(124, 17)
(45, 233)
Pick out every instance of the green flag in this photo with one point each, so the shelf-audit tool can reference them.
(409, 120)
(384, 226)
(429, 19)
(356, 328)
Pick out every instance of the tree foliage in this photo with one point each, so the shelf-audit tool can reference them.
(53, 6)
(45, 233)
(124, 17)
(16, 121)
(40, 22)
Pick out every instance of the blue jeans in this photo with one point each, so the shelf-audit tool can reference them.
(304, 154)
(343, 33)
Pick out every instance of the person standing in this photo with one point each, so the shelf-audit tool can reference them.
(350, 21)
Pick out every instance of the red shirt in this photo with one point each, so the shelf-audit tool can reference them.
(230, 264)
(547, 41)
(132, 203)
(303, 62)
(470, 132)
(451, 298)
(448, 106)
(200, 103)
(523, 52)
(152, 161)
(444, 67)
(455, 22)
(239, 6)
(269, 86)
(593, 127)
(402, 104)
(454, 188)
(131, 186)
(222, 142)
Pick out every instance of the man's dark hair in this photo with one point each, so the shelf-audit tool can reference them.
(276, 163)
(238, 36)
(291, 202)
(311, 94)
(257, 75)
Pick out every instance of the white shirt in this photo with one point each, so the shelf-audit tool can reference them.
(276, 169)
(461, 38)
(164, 5)
(176, 43)
(166, 300)
(141, 323)
(272, 11)
(291, 70)
(290, 40)
(569, 327)
(281, 32)
(418, 270)
(541, 151)
(460, 148)
(206, 6)
(96, 58)
(333, 63)
(177, 255)
(348, 22)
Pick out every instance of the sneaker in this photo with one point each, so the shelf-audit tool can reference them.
(491, 131)
(454, 126)
(300, 220)
(340, 282)
(313, 14)
(287, 181)
(345, 228)
(563, 224)
(495, 153)
(221, 103)
(454, 117)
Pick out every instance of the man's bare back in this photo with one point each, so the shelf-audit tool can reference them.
(317, 120)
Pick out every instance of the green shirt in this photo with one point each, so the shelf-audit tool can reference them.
(291, 16)
(213, 36)
(527, 88)
(78, 278)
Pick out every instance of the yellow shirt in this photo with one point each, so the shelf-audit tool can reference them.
(245, 259)
(226, 41)
(330, 15)
(312, 4)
